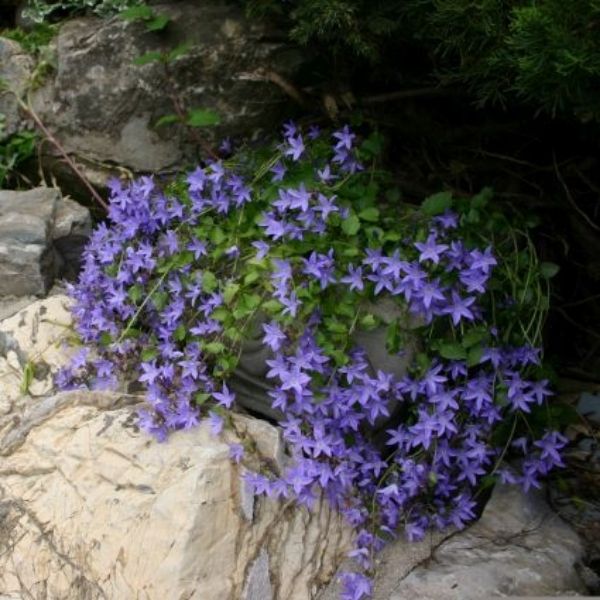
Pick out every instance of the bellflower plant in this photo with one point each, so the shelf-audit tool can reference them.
(305, 239)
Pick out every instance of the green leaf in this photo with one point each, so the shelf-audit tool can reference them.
(149, 57)
(474, 356)
(351, 225)
(472, 337)
(158, 23)
(251, 277)
(548, 270)
(199, 117)
(368, 322)
(137, 13)
(230, 291)
(216, 236)
(453, 351)
(335, 326)
(482, 199)
(369, 214)
(149, 354)
(159, 299)
(179, 51)
(166, 120)
(209, 282)
(180, 333)
(135, 293)
(214, 347)
(220, 314)
(28, 373)
(201, 397)
(105, 339)
(272, 306)
(437, 204)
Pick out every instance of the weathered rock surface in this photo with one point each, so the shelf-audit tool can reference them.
(32, 349)
(15, 69)
(103, 107)
(38, 230)
(92, 508)
(519, 547)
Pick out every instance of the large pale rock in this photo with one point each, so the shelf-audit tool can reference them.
(15, 70)
(32, 349)
(103, 107)
(519, 547)
(38, 232)
(92, 508)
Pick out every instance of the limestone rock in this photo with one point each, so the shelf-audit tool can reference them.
(103, 107)
(38, 231)
(519, 547)
(15, 69)
(32, 340)
(92, 508)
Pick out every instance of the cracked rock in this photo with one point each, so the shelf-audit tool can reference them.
(91, 507)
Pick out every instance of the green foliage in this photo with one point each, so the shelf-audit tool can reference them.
(41, 11)
(544, 54)
(13, 151)
(33, 40)
(358, 27)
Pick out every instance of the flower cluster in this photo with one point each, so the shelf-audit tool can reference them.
(171, 286)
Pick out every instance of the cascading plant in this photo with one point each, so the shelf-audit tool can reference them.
(305, 240)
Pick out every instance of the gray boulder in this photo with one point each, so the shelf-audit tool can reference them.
(35, 227)
(519, 547)
(103, 107)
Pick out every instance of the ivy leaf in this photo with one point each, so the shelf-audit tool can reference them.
(453, 351)
(179, 51)
(141, 12)
(437, 204)
(166, 120)
(149, 57)
(549, 270)
(199, 117)
(158, 23)
(351, 225)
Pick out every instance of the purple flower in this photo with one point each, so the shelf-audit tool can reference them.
(459, 309)
(354, 278)
(295, 147)
(224, 397)
(431, 250)
(344, 138)
(273, 336)
(216, 423)
(236, 452)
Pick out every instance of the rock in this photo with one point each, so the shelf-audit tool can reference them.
(589, 407)
(92, 508)
(103, 107)
(519, 547)
(38, 231)
(15, 69)
(33, 339)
